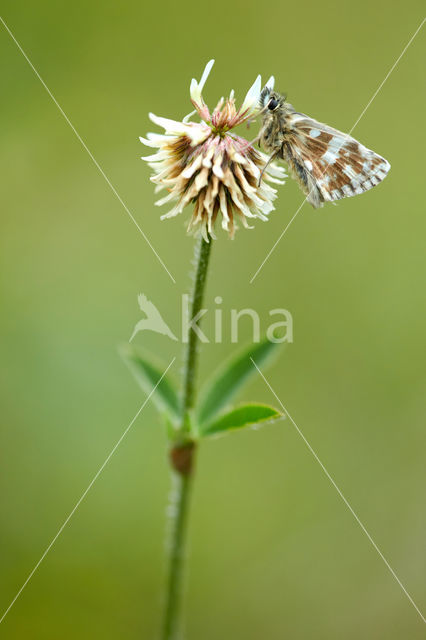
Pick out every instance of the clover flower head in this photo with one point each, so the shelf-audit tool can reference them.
(206, 164)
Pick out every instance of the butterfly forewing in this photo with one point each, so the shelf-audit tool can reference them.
(329, 164)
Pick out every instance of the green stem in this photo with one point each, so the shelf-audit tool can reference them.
(202, 255)
(179, 508)
(182, 457)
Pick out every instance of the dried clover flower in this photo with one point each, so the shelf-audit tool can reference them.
(204, 163)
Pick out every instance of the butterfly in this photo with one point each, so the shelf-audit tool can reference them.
(328, 164)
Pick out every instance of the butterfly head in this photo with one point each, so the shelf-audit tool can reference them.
(271, 100)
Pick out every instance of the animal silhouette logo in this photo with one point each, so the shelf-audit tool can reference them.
(153, 321)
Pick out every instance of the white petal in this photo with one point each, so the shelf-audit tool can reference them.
(207, 160)
(149, 143)
(245, 223)
(239, 158)
(160, 177)
(158, 166)
(173, 212)
(270, 84)
(267, 207)
(223, 208)
(156, 157)
(254, 169)
(188, 115)
(158, 138)
(217, 169)
(204, 233)
(189, 171)
(167, 198)
(276, 171)
(198, 133)
(194, 92)
(202, 178)
(252, 97)
(170, 126)
(206, 73)
(196, 88)
(275, 180)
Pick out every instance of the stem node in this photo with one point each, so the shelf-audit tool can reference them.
(182, 458)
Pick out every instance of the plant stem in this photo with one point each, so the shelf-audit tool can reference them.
(202, 255)
(182, 456)
(179, 508)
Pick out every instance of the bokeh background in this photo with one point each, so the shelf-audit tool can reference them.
(274, 552)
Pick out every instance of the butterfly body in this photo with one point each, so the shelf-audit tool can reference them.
(328, 164)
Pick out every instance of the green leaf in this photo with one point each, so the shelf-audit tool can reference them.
(245, 416)
(147, 375)
(231, 377)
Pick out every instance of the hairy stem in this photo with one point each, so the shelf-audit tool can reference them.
(182, 457)
(202, 255)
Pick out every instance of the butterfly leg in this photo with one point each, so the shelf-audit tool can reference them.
(252, 142)
(270, 159)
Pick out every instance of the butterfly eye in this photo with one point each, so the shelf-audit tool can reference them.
(273, 104)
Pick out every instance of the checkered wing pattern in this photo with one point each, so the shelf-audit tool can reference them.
(329, 164)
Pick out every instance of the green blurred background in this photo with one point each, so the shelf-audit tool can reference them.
(274, 552)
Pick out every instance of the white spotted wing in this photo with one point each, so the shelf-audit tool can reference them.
(329, 164)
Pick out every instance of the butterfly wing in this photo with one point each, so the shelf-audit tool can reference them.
(328, 164)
